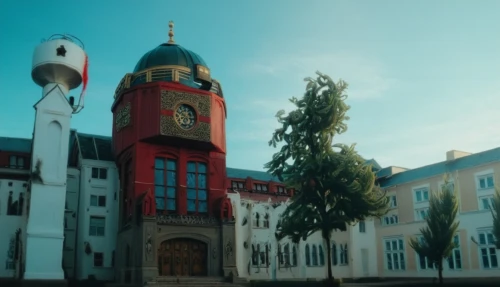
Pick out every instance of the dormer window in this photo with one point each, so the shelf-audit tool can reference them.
(17, 162)
(281, 190)
(237, 184)
(260, 187)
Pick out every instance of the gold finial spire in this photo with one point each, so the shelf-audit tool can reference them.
(171, 32)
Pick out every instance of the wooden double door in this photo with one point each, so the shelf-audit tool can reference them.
(183, 257)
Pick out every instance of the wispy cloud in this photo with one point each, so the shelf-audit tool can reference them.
(365, 74)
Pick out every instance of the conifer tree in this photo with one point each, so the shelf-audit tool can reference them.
(495, 210)
(437, 241)
(334, 186)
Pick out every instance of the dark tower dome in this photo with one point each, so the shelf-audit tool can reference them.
(169, 54)
(172, 63)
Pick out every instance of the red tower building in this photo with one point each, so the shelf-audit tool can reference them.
(170, 148)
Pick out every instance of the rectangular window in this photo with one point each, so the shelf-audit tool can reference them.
(390, 220)
(98, 200)
(487, 249)
(486, 202)
(485, 181)
(99, 173)
(421, 213)
(455, 259)
(196, 187)
(362, 227)
(97, 226)
(98, 259)
(237, 184)
(260, 187)
(165, 185)
(421, 194)
(394, 254)
(393, 201)
(423, 262)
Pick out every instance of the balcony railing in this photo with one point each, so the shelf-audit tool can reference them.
(161, 73)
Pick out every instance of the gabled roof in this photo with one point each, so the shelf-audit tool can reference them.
(443, 167)
(15, 144)
(244, 173)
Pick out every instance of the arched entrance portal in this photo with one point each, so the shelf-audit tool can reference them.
(182, 257)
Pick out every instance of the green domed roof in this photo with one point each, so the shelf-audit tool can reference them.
(169, 54)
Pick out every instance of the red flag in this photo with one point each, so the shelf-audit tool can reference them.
(85, 76)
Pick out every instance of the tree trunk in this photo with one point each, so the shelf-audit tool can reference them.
(329, 256)
(440, 272)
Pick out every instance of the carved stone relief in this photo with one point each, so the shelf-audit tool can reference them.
(186, 220)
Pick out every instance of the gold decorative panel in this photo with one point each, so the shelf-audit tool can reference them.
(169, 127)
(171, 99)
(123, 117)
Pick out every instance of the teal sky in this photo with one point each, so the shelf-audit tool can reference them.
(424, 75)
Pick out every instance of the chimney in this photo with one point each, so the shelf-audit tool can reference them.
(456, 154)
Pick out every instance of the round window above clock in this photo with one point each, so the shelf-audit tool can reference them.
(185, 116)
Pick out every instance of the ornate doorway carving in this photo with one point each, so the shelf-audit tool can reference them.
(182, 257)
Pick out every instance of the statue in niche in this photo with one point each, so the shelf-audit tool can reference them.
(149, 245)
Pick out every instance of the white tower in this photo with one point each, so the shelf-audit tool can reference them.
(59, 65)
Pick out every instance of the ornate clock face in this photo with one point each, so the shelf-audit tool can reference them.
(185, 116)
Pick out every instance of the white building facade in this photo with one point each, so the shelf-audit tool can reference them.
(373, 248)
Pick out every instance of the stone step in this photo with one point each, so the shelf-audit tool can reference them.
(173, 279)
(165, 281)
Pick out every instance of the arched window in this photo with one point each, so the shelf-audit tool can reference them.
(196, 187)
(165, 184)
(334, 254)
(321, 255)
(344, 258)
(314, 255)
(308, 256)
(294, 256)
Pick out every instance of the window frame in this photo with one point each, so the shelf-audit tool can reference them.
(418, 214)
(453, 255)
(20, 162)
(103, 218)
(362, 227)
(393, 201)
(485, 178)
(100, 173)
(237, 184)
(97, 198)
(386, 220)
(166, 185)
(101, 259)
(423, 190)
(488, 246)
(261, 187)
(197, 189)
(399, 251)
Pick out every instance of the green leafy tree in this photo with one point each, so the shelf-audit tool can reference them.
(495, 210)
(437, 241)
(334, 186)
